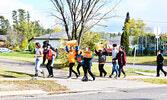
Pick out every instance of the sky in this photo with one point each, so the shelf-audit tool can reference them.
(152, 12)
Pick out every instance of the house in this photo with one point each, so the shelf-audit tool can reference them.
(53, 38)
(3, 39)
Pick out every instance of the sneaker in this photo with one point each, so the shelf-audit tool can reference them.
(165, 74)
(157, 76)
(49, 76)
(77, 75)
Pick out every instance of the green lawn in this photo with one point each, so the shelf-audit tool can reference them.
(6, 73)
(155, 80)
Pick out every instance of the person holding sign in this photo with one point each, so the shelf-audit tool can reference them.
(102, 53)
(87, 56)
(72, 54)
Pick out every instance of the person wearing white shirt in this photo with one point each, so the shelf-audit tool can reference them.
(38, 57)
(115, 63)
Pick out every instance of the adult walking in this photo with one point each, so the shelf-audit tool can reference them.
(87, 64)
(121, 56)
(101, 59)
(115, 63)
(38, 57)
(72, 54)
(160, 62)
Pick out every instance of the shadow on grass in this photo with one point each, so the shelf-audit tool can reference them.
(7, 76)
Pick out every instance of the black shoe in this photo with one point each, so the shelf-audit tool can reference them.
(105, 74)
(165, 74)
(84, 79)
(77, 75)
(51, 75)
(157, 76)
(110, 76)
(68, 76)
(94, 78)
(36, 75)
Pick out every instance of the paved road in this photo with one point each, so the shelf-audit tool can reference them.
(122, 94)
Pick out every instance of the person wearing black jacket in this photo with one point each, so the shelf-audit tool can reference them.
(160, 62)
(102, 59)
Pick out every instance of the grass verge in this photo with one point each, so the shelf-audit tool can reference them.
(154, 80)
(48, 86)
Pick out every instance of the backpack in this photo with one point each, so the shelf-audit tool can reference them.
(49, 54)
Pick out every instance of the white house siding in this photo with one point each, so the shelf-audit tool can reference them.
(53, 43)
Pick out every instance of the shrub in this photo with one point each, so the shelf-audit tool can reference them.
(24, 44)
(32, 47)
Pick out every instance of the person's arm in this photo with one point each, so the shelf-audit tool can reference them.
(124, 59)
(96, 52)
(105, 52)
(162, 61)
(77, 48)
(67, 49)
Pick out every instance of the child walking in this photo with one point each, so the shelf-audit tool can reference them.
(72, 54)
(102, 59)
(87, 67)
(38, 61)
(80, 61)
(160, 62)
(121, 56)
(115, 63)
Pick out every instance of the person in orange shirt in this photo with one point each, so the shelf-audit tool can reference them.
(72, 55)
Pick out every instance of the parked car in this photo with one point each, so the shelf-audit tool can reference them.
(5, 50)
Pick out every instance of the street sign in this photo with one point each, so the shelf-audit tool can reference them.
(157, 31)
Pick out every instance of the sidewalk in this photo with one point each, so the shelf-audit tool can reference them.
(75, 85)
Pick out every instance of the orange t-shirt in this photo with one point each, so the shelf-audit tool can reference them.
(72, 56)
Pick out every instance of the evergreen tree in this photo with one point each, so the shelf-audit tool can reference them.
(125, 41)
(126, 21)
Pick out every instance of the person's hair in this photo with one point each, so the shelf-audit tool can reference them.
(38, 45)
(114, 45)
(122, 47)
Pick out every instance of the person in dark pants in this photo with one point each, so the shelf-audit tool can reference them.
(48, 66)
(79, 60)
(102, 59)
(121, 56)
(160, 62)
(44, 54)
(72, 54)
(87, 67)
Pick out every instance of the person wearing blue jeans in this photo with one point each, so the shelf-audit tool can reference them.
(38, 61)
(115, 63)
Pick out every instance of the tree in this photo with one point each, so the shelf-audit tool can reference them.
(125, 35)
(79, 16)
(90, 39)
(24, 44)
(125, 41)
(4, 25)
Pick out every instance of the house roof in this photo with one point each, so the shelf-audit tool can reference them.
(117, 39)
(53, 36)
(3, 37)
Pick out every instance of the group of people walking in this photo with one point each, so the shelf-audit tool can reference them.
(75, 55)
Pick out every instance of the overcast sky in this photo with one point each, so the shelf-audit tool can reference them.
(153, 12)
